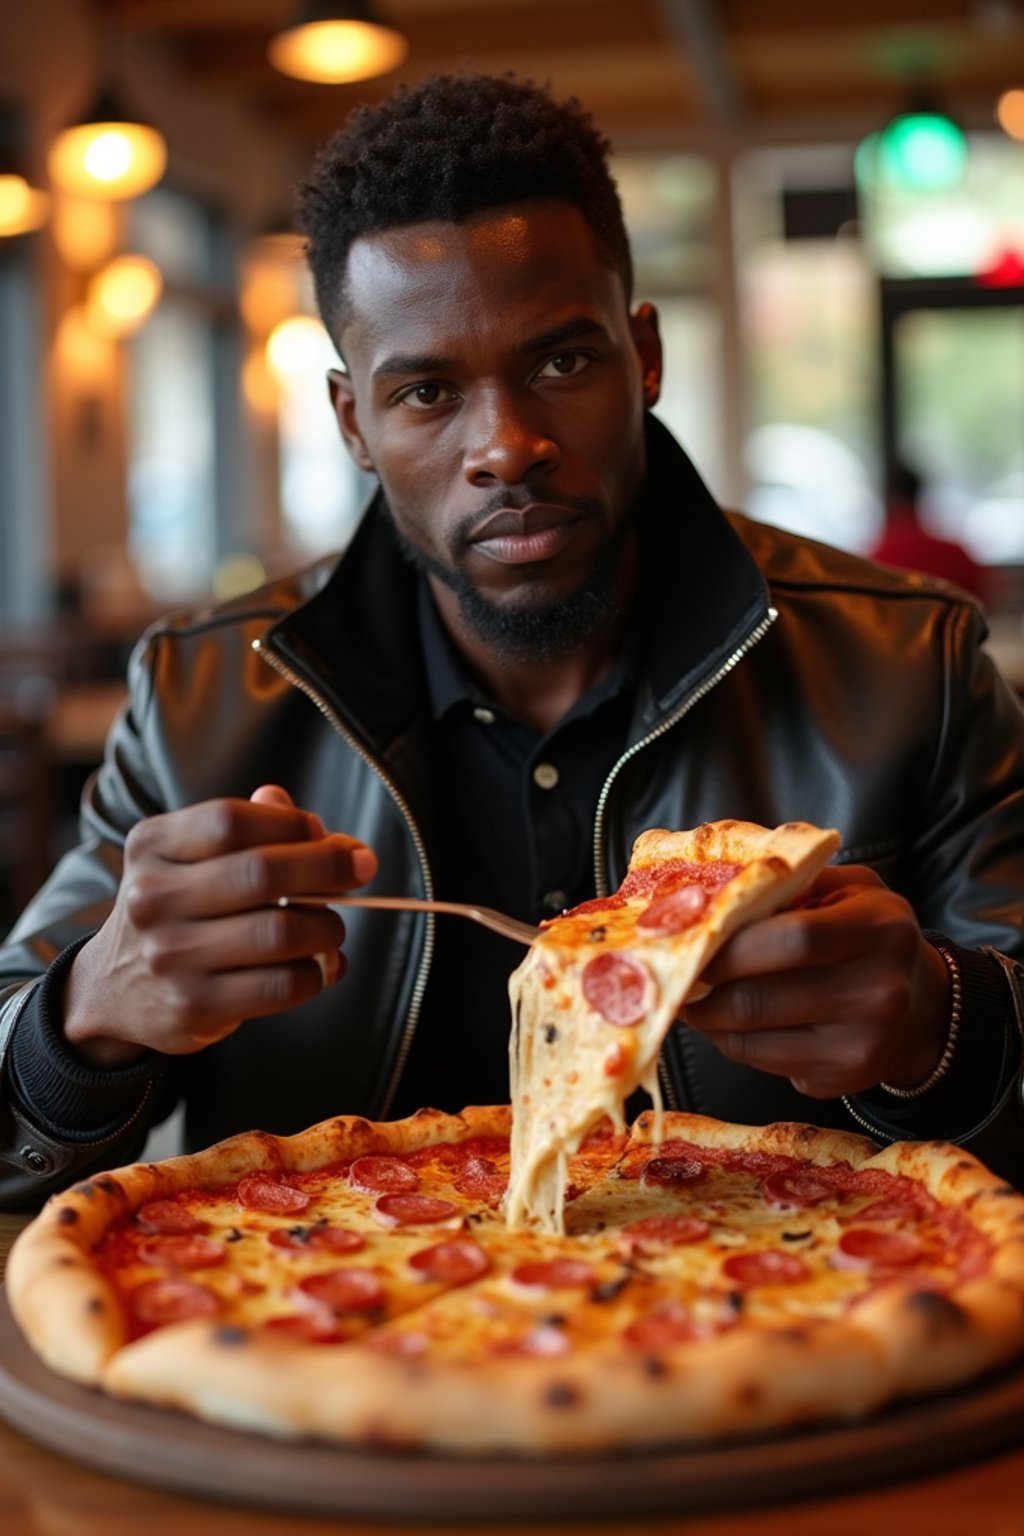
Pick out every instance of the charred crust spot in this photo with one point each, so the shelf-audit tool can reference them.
(95, 1306)
(561, 1394)
(654, 1367)
(554, 1320)
(86, 1189)
(793, 1335)
(108, 1185)
(64, 1263)
(1003, 1191)
(67, 1216)
(608, 1290)
(597, 934)
(230, 1335)
(234, 1236)
(937, 1312)
(643, 1122)
(795, 1237)
(806, 1133)
(735, 1301)
(550, 1034)
(519, 1010)
(749, 1394)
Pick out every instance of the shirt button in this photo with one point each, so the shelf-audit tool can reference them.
(545, 775)
(485, 716)
(555, 901)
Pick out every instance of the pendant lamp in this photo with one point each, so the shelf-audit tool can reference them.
(921, 149)
(108, 154)
(22, 207)
(332, 43)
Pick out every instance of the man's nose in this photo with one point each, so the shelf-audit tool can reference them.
(505, 446)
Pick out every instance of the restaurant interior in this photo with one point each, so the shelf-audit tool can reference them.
(826, 204)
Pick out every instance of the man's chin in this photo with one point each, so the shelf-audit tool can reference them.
(541, 631)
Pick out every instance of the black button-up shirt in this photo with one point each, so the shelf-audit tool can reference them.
(513, 829)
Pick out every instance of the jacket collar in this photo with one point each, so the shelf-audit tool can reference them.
(356, 640)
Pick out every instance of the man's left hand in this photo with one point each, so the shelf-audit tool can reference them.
(839, 993)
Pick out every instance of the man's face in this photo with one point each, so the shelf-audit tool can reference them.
(496, 384)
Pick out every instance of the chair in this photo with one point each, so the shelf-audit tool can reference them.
(25, 802)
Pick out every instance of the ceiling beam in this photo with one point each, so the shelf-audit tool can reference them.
(693, 24)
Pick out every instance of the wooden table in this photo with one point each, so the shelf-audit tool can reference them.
(43, 1495)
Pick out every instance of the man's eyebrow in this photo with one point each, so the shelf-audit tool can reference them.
(411, 362)
(572, 330)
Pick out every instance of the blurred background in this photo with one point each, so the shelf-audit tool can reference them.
(826, 201)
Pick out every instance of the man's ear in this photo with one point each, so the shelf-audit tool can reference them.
(343, 400)
(643, 326)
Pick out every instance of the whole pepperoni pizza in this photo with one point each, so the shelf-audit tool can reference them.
(359, 1283)
(543, 1278)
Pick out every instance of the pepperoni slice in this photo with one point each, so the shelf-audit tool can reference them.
(897, 1207)
(554, 1274)
(769, 1267)
(675, 912)
(663, 1326)
(383, 1176)
(798, 1186)
(860, 1247)
(617, 987)
(344, 1290)
(654, 1232)
(171, 1300)
(480, 1180)
(166, 1217)
(595, 904)
(317, 1327)
(321, 1239)
(543, 1342)
(262, 1192)
(672, 1172)
(412, 1210)
(454, 1263)
(182, 1251)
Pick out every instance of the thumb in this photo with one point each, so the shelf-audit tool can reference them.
(271, 794)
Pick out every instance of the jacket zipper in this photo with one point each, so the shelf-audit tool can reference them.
(416, 1001)
(700, 692)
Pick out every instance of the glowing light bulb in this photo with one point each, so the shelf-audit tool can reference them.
(124, 294)
(22, 208)
(335, 51)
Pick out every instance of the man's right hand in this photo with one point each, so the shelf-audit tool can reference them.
(198, 940)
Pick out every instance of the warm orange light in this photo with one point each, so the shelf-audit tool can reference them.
(259, 386)
(22, 208)
(1010, 112)
(296, 345)
(331, 52)
(108, 159)
(86, 232)
(123, 295)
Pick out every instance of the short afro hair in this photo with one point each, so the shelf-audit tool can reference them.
(449, 147)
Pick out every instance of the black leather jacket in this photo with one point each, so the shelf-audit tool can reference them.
(782, 680)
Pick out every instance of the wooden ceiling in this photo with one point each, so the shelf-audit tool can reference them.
(653, 72)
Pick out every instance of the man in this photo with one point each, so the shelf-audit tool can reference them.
(544, 638)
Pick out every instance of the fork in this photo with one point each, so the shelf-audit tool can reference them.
(498, 922)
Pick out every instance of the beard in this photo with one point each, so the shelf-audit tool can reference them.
(535, 628)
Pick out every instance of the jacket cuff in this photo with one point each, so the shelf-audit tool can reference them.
(984, 1063)
(61, 1094)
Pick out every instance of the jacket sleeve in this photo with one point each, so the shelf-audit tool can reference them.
(58, 1118)
(965, 879)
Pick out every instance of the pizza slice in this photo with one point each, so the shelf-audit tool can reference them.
(603, 983)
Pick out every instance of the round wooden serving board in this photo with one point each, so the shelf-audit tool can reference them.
(168, 1450)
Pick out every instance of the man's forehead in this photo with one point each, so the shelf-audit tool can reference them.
(509, 256)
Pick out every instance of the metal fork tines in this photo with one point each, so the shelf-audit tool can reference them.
(499, 922)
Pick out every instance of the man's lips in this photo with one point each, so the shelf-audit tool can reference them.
(519, 536)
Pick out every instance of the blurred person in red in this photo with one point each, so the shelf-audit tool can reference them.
(907, 543)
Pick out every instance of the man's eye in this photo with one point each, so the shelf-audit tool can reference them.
(424, 395)
(564, 364)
